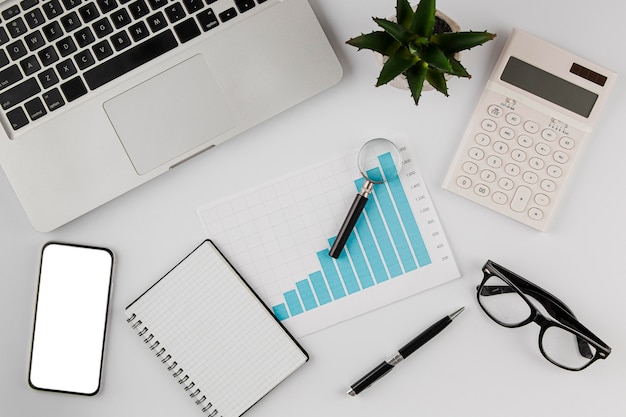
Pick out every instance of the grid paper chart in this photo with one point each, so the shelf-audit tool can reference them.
(278, 237)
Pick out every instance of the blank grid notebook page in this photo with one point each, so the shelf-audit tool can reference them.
(214, 334)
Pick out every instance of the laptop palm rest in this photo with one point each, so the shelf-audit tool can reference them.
(170, 114)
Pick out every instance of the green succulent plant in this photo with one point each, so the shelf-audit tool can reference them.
(414, 49)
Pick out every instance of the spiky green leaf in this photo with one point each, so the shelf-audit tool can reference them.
(459, 41)
(381, 42)
(436, 58)
(399, 32)
(437, 80)
(416, 75)
(404, 13)
(424, 18)
(458, 69)
(397, 63)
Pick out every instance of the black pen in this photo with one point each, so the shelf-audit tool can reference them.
(382, 369)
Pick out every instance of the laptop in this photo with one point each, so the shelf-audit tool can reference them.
(100, 96)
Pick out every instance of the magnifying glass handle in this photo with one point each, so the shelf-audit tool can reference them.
(353, 215)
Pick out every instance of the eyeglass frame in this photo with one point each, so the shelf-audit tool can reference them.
(555, 307)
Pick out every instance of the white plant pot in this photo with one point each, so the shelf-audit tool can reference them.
(400, 81)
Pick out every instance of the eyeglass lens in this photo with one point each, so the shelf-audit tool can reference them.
(507, 307)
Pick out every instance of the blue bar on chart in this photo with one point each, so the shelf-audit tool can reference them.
(385, 243)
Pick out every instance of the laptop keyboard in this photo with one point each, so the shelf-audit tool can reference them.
(53, 52)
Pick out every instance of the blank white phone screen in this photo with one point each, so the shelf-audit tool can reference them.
(70, 318)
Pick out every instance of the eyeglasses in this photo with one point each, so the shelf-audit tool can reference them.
(506, 298)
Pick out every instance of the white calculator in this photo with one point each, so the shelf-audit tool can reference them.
(529, 127)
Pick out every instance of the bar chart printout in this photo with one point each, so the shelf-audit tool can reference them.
(278, 237)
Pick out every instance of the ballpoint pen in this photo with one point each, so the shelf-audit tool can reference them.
(386, 366)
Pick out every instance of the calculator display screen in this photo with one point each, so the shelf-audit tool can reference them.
(549, 87)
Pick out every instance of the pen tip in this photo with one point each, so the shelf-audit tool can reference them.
(351, 392)
(456, 313)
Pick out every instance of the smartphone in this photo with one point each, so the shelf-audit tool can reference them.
(70, 318)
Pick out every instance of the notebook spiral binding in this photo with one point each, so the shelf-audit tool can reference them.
(177, 372)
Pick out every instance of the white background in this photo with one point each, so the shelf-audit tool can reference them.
(475, 367)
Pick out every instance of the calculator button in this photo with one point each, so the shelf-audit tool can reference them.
(507, 133)
(488, 176)
(506, 183)
(500, 147)
(561, 157)
(531, 127)
(470, 167)
(535, 213)
(512, 169)
(494, 162)
(536, 163)
(548, 185)
(525, 141)
(489, 125)
(482, 139)
(518, 155)
(530, 177)
(499, 198)
(482, 190)
(476, 153)
(513, 119)
(463, 182)
(555, 171)
(494, 111)
(548, 134)
(567, 143)
(542, 199)
(542, 149)
(520, 198)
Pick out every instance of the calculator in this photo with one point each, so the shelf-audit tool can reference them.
(531, 123)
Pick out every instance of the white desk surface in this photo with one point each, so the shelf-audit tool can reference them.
(475, 367)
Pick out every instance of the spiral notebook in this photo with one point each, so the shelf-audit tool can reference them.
(213, 333)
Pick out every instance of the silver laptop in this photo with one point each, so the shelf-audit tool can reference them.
(100, 96)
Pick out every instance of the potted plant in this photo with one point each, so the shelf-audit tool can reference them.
(419, 46)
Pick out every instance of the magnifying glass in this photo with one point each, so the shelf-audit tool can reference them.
(379, 161)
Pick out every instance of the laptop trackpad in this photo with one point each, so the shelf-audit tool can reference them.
(170, 114)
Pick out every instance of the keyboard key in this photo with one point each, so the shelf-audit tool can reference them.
(16, 27)
(107, 5)
(138, 31)
(193, 6)
(130, 59)
(30, 65)
(34, 18)
(157, 22)
(156, 4)
(89, 12)
(70, 4)
(244, 5)
(19, 93)
(16, 50)
(138, 9)
(4, 59)
(48, 78)
(48, 56)
(70, 22)
(120, 18)
(228, 14)
(11, 12)
(17, 118)
(102, 27)
(52, 31)
(102, 50)
(84, 59)
(73, 89)
(120, 41)
(66, 46)
(187, 30)
(52, 9)
(34, 40)
(84, 37)
(66, 69)
(4, 37)
(27, 4)
(207, 20)
(53, 99)
(35, 108)
(175, 12)
(10, 76)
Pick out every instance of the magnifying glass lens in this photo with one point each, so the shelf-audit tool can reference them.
(379, 160)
